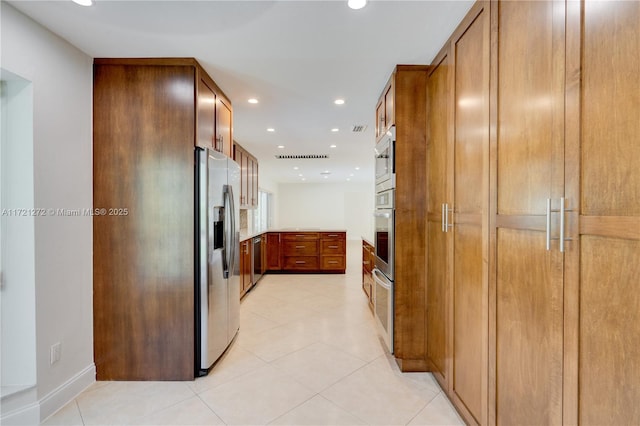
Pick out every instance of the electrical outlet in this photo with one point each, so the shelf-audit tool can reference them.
(56, 349)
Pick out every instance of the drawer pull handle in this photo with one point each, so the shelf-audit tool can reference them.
(333, 261)
(333, 235)
(298, 235)
(300, 262)
(299, 247)
(333, 247)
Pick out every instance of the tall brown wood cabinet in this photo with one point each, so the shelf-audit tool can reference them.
(533, 218)
(458, 239)
(403, 101)
(148, 116)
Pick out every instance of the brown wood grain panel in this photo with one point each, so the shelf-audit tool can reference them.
(470, 238)
(532, 223)
(529, 330)
(609, 334)
(300, 248)
(144, 132)
(300, 236)
(332, 262)
(223, 127)
(410, 122)
(611, 109)
(332, 247)
(627, 227)
(206, 119)
(300, 262)
(469, 324)
(437, 300)
(438, 291)
(526, 90)
(274, 252)
(471, 118)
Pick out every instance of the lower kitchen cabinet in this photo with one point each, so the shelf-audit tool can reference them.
(273, 252)
(333, 251)
(317, 252)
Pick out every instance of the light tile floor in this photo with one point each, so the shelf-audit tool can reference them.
(307, 354)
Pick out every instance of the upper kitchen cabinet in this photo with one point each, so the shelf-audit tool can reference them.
(248, 177)
(145, 127)
(385, 111)
(214, 118)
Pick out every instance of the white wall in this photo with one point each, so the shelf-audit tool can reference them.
(266, 183)
(17, 294)
(327, 205)
(61, 77)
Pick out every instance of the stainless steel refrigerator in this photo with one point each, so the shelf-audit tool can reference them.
(217, 287)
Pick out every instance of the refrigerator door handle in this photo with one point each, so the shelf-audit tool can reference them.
(232, 215)
(229, 232)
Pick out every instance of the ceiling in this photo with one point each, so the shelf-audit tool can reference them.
(295, 57)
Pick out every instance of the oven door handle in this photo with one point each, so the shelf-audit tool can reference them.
(385, 215)
(382, 281)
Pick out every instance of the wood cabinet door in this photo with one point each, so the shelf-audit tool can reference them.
(273, 252)
(244, 178)
(603, 256)
(526, 346)
(206, 116)
(469, 160)
(254, 184)
(251, 196)
(389, 106)
(224, 141)
(437, 288)
(380, 120)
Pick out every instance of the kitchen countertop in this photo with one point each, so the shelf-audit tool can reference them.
(247, 235)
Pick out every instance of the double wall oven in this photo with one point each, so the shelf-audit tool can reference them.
(384, 238)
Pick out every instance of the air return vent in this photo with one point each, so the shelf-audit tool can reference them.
(358, 128)
(302, 157)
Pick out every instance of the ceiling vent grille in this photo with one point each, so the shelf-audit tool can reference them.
(358, 128)
(302, 157)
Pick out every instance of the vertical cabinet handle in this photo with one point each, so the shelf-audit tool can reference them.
(547, 238)
(561, 239)
(445, 217)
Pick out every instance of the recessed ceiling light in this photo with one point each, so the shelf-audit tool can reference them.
(339, 102)
(271, 129)
(296, 168)
(300, 175)
(326, 177)
(356, 4)
(83, 2)
(281, 146)
(333, 146)
(357, 168)
(326, 172)
(303, 179)
(335, 129)
(253, 101)
(348, 179)
(351, 174)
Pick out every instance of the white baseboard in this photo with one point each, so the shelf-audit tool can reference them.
(21, 408)
(60, 396)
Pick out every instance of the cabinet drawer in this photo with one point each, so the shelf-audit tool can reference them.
(300, 236)
(333, 262)
(300, 248)
(300, 262)
(333, 235)
(332, 247)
